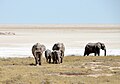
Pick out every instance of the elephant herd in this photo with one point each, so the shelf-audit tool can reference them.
(57, 54)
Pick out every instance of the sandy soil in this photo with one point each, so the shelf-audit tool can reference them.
(72, 36)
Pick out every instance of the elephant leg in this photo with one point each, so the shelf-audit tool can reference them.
(56, 61)
(87, 53)
(36, 59)
(95, 54)
(84, 53)
(39, 59)
(46, 56)
(63, 54)
(98, 52)
(53, 61)
(36, 62)
(49, 60)
(61, 59)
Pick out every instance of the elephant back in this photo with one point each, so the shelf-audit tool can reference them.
(48, 52)
(58, 46)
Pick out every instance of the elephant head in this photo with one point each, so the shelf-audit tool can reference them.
(101, 46)
(56, 46)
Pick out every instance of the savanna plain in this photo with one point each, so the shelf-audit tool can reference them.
(17, 63)
(74, 70)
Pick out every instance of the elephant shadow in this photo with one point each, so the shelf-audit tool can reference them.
(32, 64)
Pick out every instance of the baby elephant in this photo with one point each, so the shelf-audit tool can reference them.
(48, 55)
(56, 56)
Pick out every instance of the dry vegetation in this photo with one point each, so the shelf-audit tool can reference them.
(74, 70)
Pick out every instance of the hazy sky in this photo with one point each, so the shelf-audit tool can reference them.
(59, 11)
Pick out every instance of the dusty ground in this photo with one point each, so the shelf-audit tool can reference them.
(74, 70)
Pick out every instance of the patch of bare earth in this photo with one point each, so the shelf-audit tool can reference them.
(97, 69)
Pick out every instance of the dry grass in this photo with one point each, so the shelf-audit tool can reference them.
(74, 70)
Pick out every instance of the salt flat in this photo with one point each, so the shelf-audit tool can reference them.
(74, 37)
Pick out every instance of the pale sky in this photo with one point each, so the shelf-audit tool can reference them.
(59, 11)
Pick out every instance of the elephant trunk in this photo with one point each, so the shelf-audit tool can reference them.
(104, 52)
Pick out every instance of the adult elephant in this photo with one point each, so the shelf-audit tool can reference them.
(56, 56)
(48, 55)
(37, 51)
(94, 48)
(60, 47)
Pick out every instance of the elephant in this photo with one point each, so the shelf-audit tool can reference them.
(37, 51)
(56, 56)
(94, 48)
(61, 47)
(48, 55)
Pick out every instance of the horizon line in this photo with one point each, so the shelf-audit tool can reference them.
(59, 25)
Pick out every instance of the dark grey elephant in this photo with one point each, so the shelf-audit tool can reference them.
(56, 56)
(94, 48)
(37, 51)
(60, 47)
(48, 55)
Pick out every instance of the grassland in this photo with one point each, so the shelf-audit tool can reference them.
(74, 70)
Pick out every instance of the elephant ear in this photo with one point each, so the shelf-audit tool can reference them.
(103, 46)
(55, 47)
(33, 49)
(59, 44)
(43, 47)
(98, 46)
